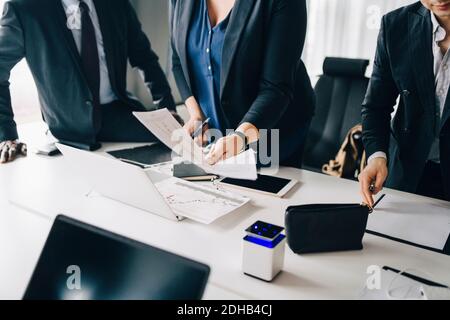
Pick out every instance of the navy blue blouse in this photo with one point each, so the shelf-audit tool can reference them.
(204, 51)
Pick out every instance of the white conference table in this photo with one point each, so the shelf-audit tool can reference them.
(34, 190)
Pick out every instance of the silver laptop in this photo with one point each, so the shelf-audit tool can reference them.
(120, 181)
(149, 190)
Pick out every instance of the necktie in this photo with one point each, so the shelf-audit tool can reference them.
(89, 53)
(90, 59)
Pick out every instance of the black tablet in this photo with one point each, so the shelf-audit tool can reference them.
(269, 185)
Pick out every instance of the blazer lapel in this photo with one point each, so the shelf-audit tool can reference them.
(420, 44)
(61, 20)
(238, 21)
(182, 20)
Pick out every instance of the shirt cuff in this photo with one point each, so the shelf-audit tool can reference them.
(378, 154)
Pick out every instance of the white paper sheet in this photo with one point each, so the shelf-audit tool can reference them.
(167, 129)
(422, 223)
(197, 202)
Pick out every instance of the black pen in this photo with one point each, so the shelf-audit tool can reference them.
(378, 201)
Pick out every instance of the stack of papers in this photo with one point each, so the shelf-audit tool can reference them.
(167, 129)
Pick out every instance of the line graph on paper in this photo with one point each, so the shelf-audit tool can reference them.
(199, 202)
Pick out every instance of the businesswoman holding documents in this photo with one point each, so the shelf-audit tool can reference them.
(238, 64)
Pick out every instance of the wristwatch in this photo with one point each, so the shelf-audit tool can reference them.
(244, 138)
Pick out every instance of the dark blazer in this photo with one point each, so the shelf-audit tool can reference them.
(404, 67)
(37, 31)
(263, 79)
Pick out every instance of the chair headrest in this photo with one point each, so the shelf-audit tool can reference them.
(344, 67)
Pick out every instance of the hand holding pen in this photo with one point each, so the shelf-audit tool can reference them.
(372, 209)
(199, 134)
(201, 129)
(372, 179)
(197, 129)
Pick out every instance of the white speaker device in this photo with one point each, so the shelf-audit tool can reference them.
(263, 251)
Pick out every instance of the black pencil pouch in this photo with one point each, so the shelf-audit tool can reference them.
(326, 227)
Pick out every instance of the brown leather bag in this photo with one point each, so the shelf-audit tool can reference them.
(351, 158)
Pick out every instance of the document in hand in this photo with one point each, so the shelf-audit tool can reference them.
(167, 129)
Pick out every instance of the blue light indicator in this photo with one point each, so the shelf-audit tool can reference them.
(265, 243)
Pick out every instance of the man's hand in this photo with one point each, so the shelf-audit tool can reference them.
(9, 150)
(374, 174)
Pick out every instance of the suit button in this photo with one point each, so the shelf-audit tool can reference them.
(225, 103)
(406, 93)
(89, 103)
(406, 130)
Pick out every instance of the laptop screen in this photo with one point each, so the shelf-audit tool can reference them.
(81, 262)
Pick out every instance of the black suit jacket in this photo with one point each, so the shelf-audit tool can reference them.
(263, 79)
(36, 30)
(404, 67)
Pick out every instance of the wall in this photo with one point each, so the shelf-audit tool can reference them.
(344, 28)
(154, 18)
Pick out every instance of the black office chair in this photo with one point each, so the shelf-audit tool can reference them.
(340, 92)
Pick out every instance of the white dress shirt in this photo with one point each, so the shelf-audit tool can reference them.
(71, 7)
(442, 83)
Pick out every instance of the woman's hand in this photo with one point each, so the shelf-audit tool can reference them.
(192, 125)
(195, 121)
(225, 148)
(234, 144)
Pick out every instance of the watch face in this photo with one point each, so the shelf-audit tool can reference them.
(264, 230)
